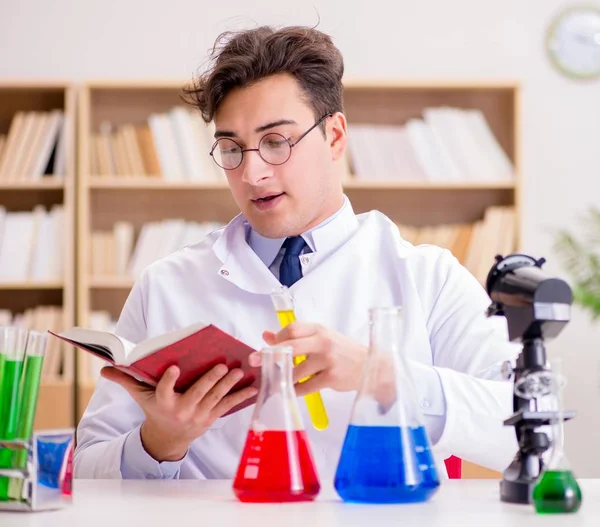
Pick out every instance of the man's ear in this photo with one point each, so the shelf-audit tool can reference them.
(337, 135)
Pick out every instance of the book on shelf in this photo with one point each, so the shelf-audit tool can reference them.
(473, 244)
(58, 359)
(34, 146)
(31, 244)
(172, 146)
(445, 145)
(194, 349)
(117, 253)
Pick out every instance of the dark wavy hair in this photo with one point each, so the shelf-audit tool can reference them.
(239, 59)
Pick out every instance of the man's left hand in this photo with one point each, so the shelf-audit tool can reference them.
(332, 359)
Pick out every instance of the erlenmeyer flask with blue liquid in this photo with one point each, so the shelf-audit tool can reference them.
(386, 456)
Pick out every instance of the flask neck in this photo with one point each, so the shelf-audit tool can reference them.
(558, 459)
(276, 372)
(387, 396)
(386, 368)
(276, 406)
(385, 332)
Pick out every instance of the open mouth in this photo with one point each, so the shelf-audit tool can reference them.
(269, 202)
(267, 198)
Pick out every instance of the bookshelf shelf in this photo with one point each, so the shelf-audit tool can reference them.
(466, 86)
(49, 183)
(19, 286)
(146, 183)
(420, 185)
(37, 186)
(111, 282)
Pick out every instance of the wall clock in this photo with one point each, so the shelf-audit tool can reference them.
(573, 42)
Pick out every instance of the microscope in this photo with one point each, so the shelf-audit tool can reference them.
(537, 307)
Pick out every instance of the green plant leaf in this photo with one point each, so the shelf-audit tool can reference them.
(580, 256)
(572, 254)
(587, 300)
(593, 227)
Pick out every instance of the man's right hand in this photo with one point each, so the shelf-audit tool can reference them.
(174, 420)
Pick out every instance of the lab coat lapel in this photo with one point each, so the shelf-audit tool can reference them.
(367, 271)
(240, 264)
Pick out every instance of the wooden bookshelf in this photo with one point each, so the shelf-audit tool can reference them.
(106, 199)
(20, 191)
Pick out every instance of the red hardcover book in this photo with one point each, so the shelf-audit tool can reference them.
(194, 349)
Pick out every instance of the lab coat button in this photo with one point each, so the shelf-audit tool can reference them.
(224, 272)
(425, 404)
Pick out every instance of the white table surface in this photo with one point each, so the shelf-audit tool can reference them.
(179, 503)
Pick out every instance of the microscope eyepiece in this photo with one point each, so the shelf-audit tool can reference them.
(505, 265)
(534, 304)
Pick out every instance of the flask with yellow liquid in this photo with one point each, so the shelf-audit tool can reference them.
(284, 306)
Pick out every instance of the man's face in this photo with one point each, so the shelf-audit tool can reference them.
(282, 200)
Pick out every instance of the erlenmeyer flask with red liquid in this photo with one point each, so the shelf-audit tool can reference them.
(276, 463)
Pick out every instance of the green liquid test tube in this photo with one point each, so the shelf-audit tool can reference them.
(28, 397)
(2, 361)
(12, 346)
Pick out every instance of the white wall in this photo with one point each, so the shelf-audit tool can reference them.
(81, 39)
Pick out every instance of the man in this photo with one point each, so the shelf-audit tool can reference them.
(276, 99)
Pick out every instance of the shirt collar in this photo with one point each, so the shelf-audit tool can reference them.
(324, 237)
(265, 248)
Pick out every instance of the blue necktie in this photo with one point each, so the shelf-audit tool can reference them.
(290, 270)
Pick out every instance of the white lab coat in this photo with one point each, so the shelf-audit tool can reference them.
(221, 280)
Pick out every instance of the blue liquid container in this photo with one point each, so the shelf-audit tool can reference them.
(53, 454)
(373, 467)
(386, 456)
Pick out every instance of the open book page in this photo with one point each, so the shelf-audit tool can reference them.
(195, 350)
(149, 346)
(105, 345)
(195, 355)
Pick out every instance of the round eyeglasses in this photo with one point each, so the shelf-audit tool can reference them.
(273, 148)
